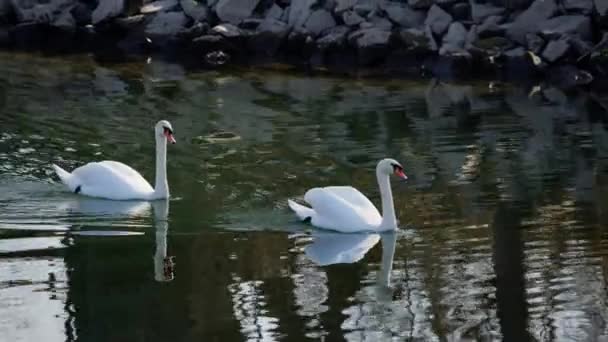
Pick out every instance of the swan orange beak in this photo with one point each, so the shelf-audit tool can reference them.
(170, 137)
(399, 173)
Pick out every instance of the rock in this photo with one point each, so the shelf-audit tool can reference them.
(414, 38)
(275, 12)
(158, 6)
(438, 19)
(270, 35)
(65, 21)
(299, 12)
(472, 38)
(198, 12)
(250, 23)
(107, 9)
(461, 11)
(534, 43)
(365, 7)
(479, 12)
(371, 45)
(344, 5)
(351, 18)
(404, 16)
(81, 13)
(578, 6)
(428, 31)
(528, 20)
(518, 52)
(381, 23)
(454, 40)
(129, 23)
(372, 37)
(420, 4)
(555, 50)
(601, 7)
(336, 37)
(234, 11)
(567, 24)
(227, 30)
(491, 27)
(581, 47)
(166, 24)
(319, 21)
(196, 30)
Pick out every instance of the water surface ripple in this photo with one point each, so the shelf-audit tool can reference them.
(503, 221)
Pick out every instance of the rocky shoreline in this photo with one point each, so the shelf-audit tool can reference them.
(562, 41)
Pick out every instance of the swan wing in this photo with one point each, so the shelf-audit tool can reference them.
(356, 198)
(112, 180)
(335, 210)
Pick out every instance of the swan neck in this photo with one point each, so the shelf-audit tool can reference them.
(389, 221)
(161, 187)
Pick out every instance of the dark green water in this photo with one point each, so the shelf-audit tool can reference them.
(503, 222)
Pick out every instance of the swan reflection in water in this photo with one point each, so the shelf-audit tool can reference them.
(163, 265)
(123, 213)
(330, 248)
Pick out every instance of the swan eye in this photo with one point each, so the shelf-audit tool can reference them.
(397, 167)
(167, 130)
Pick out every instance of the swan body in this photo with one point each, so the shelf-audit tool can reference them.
(117, 181)
(346, 209)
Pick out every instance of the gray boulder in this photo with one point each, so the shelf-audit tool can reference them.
(404, 16)
(368, 38)
(299, 11)
(578, 6)
(335, 37)
(438, 19)
(158, 6)
(454, 40)
(461, 11)
(166, 24)
(535, 43)
(420, 4)
(234, 11)
(344, 5)
(479, 12)
(269, 36)
(567, 24)
(415, 38)
(491, 27)
(275, 12)
(351, 18)
(198, 12)
(319, 21)
(379, 22)
(601, 7)
(528, 20)
(106, 10)
(555, 50)
(227, 30)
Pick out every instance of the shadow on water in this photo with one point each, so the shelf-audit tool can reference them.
(503, 220)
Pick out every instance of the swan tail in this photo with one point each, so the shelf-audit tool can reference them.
(304, 213)
(66, 178)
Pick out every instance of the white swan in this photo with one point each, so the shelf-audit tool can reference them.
(117, 181)
(345, 209)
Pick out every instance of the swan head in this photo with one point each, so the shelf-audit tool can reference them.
(164, 129)
(390, 166)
